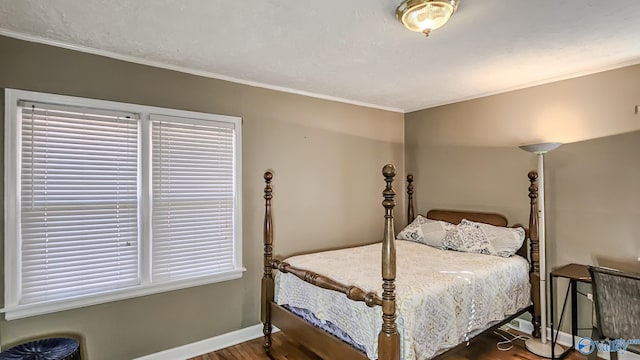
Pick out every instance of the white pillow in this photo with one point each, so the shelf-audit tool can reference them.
(482, 238)
(426, 231)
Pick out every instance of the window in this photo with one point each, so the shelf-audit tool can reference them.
(106, 201)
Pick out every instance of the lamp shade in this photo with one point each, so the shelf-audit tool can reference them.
(541, 148)
(425, 15)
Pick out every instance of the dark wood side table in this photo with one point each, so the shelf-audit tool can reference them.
(575, 273)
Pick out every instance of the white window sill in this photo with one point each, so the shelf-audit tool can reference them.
(23, 311)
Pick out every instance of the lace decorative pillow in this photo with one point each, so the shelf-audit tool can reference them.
(482, 238)
(468, 238)
(426, 231)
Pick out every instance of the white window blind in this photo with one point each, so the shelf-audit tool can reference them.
(79, 218)
(106, 201)
(193, 180)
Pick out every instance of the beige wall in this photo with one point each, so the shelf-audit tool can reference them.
(326, 156)
(566, 111)
(465, 155)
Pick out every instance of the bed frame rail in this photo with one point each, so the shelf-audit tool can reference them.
(353, 293)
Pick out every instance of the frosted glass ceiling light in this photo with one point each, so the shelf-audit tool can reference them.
(425, 15)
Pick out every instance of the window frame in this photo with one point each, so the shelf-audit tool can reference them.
(12, 206)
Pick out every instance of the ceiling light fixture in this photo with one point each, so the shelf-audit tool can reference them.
(425, 15)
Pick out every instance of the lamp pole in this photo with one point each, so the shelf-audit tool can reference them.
(541, 348)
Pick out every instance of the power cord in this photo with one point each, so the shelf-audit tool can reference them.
(507, 344)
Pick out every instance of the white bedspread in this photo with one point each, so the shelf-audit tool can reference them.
(443, 296)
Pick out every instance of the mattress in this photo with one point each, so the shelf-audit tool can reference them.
(443, 297)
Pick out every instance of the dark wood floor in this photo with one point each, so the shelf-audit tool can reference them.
(482, 348)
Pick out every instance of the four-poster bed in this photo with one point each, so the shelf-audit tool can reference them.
(389, 343)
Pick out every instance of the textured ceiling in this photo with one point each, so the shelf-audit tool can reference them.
(353, 50)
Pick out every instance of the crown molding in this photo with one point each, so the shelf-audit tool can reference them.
(186, 70)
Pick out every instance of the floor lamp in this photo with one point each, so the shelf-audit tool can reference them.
(542, 347)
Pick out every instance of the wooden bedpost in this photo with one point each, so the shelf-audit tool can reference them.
(267, 278)
(535, 252)
(388, 339)
(410, 209)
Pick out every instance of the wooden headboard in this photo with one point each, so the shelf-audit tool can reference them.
(455, 217)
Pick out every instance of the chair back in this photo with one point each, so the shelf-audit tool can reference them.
(617, 302)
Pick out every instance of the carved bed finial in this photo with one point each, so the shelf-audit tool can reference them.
(389, 172)
(389, 339)
(268, 176)
(533, 188)
(410, 209)
(267, 277)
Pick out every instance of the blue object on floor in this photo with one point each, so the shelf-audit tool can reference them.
(44, 349)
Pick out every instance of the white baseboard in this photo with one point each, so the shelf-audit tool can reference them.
(209, 345)
(565, 340)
